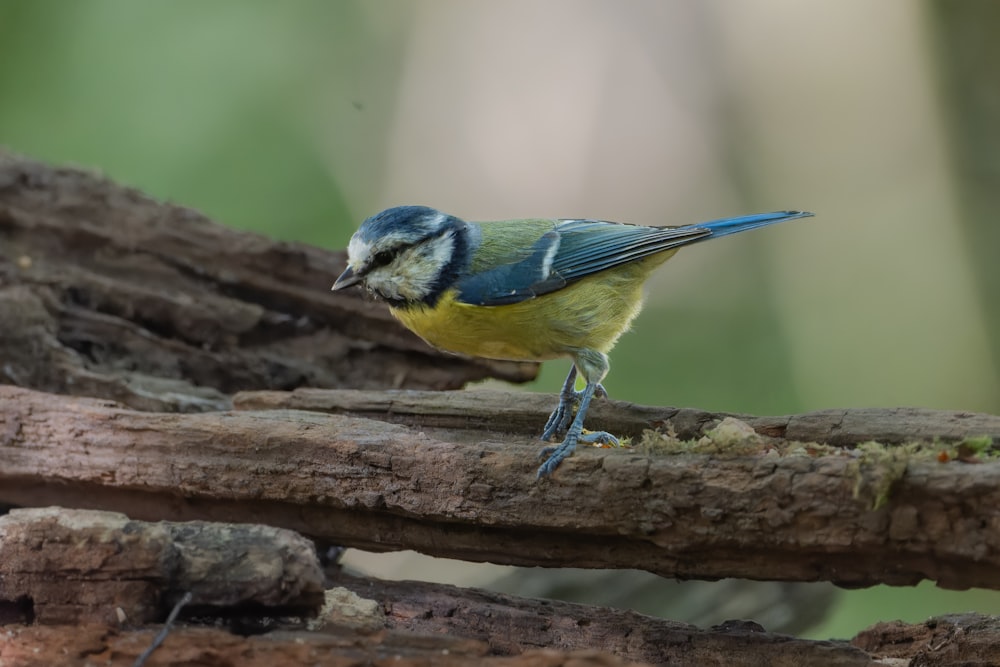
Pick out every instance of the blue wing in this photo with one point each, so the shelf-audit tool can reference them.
(575, 249)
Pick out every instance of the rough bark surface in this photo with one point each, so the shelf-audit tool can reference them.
(966, 640)
(744, 511)
(80, 566)
(72, 568)
(40, 646)
(524, 413)
(421, 629)
(105, 292)
(511, 625)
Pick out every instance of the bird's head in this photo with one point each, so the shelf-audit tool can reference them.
(406, 254)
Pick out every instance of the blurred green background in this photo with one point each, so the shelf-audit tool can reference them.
(298, 119)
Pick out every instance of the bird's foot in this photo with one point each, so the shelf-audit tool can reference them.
(554, 456)
(562, 416)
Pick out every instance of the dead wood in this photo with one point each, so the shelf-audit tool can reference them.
(736, 646)
(525, 413)
(105, 292)
(80, 566)
(429, 624)
(950, 641)
(69, 567)
(749, 509)
(944, 641)
(512, 625)
(60, 646)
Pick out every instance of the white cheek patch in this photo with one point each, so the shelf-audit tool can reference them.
(383, 282)
(412, 274)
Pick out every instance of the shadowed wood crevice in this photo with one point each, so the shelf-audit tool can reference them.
(106, 292)
(836, 515)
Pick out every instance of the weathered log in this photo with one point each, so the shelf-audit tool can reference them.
(949, 641)
(512, 625)
(515, 412)
(62, 646)
(80, 566)
(751, 508)
(105, 292)
(77, 567)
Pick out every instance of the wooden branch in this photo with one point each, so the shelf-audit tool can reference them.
(78, 566)
(74, 567)
(950, 641)
(513, 625)
(954, 640)
(61, 646)
(454, 628)
(743, 509)
(105, 292)
(525, 413)
(70, 568)
(410, 623)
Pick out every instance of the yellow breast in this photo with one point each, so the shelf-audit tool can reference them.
(589, 314)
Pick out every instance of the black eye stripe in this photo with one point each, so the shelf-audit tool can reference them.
(385, 257)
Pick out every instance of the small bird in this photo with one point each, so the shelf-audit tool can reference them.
(523, 290)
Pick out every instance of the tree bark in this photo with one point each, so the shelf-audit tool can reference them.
(411, 623)
(523, 413)
(71, 568)
(512, 625)
(105, 292)
(755, 507)
(50, 646)
(77, 566)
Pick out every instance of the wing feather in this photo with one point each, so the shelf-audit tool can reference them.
(573, 250)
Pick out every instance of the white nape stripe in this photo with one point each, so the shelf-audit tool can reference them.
(442, 249)
(439, 220)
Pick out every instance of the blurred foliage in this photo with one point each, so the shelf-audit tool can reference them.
(964, 34)
(298, 119)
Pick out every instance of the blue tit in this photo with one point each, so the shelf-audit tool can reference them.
(524, 290)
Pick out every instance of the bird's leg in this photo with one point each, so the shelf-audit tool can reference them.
(574, 435)
(594, 365)
(569, 399)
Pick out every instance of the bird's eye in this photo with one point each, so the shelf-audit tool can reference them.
(382, 258)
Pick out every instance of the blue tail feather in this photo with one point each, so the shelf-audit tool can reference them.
(744, 222)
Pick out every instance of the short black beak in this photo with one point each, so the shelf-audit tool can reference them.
(346, 279)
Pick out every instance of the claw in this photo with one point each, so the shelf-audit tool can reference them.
(545, 452)
(600, 438)
(556, 456)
